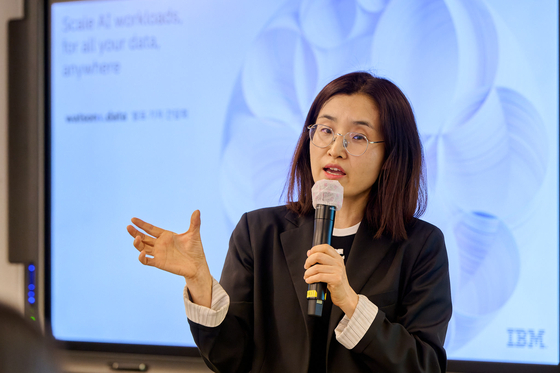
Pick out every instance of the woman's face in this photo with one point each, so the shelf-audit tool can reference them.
(349, 113)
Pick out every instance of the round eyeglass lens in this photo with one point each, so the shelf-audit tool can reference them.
(322, 136)
(356, 143)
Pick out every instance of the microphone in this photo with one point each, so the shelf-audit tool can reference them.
(327, 198)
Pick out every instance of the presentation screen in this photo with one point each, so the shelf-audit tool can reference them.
(159, 108)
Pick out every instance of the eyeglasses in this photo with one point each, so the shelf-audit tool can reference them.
(355, 143)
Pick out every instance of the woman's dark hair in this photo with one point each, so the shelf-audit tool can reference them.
(399, 193)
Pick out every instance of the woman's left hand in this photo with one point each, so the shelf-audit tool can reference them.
(331, 270)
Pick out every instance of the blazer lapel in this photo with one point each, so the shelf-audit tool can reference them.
(365, 255)
(295, 243)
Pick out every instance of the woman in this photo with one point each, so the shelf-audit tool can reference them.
(390, 299)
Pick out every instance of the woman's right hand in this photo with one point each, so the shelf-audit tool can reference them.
(181, 254)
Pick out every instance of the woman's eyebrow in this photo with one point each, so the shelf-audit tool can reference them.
(358, 122)
(363, 123)
(329, 117)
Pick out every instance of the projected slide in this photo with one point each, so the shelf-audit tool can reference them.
(161, 108)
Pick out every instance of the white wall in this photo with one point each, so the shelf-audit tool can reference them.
(11, 275)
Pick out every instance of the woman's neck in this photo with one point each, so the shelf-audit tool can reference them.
(349, 214)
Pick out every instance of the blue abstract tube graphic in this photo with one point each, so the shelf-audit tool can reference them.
(484, 139)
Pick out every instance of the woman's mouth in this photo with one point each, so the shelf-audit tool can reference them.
(333, 171)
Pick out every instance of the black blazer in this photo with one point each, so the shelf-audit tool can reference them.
(266, 327)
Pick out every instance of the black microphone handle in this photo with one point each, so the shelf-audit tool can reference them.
(322, 233)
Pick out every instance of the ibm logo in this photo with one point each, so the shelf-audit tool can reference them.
(525, 338)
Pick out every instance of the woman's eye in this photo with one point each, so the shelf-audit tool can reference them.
(326, 130)
(356, 137)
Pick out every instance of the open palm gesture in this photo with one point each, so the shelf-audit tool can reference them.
(181, 254)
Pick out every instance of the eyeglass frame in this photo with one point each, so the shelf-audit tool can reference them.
(344, 141)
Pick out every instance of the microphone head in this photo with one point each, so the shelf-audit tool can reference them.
(327, 192)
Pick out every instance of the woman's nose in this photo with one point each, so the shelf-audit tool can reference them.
(337, 148)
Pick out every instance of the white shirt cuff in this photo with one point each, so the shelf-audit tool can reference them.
(210, 317)
(350, 331)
